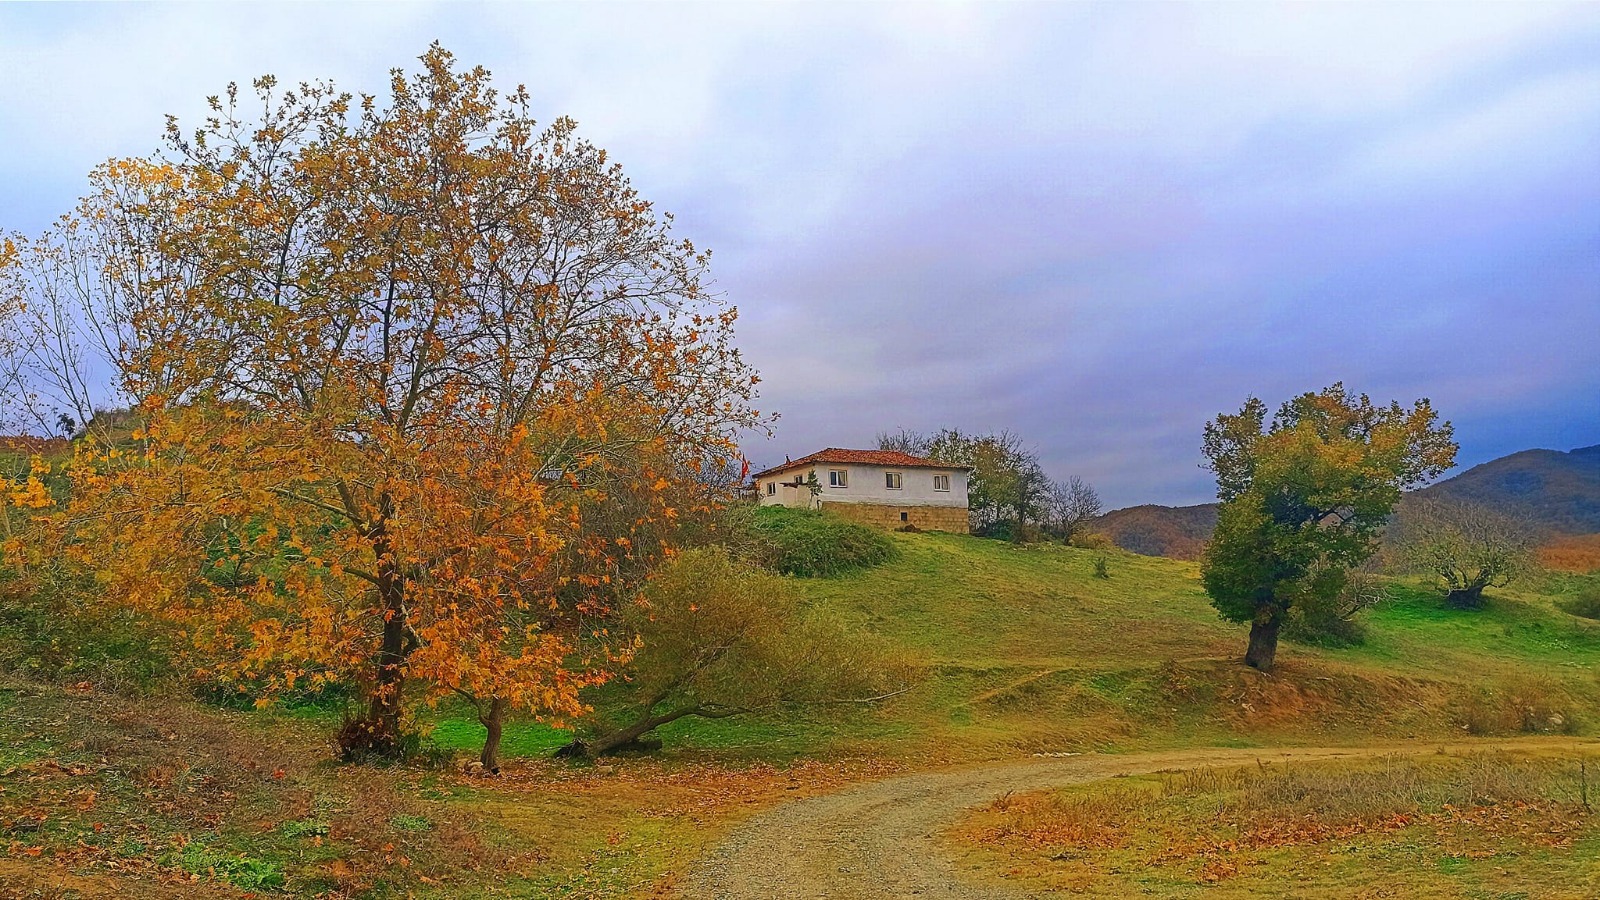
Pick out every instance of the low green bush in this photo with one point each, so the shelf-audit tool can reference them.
(241, 871)
(409, 822)
(52, 627)
(1586, 604)
(808, 544)
(304, 828)
(1320, 627)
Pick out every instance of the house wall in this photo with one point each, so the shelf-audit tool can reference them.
(866, 484)
(787, 495)
(884, 515)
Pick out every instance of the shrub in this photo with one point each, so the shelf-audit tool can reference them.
(718, 640)
(52, 628)
(241, 871)
(304, 828)
(1522, 706)
(1091, 540)
(1319, 626)
(1586, 604)
(409, 822)
(808, 544)
(1328, 618)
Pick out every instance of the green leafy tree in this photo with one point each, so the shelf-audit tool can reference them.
(1007, 488)
(1305, 497)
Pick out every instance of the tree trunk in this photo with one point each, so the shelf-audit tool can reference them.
(1263, 643)
(1469, 597)
(630, 734)
(379, 734)
(493, 719)
(386, 700)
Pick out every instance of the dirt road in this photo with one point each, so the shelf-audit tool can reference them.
(877, 840)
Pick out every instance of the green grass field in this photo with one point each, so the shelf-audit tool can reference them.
(1024, 650)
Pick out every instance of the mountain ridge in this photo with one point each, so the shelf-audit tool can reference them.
(1553, 490)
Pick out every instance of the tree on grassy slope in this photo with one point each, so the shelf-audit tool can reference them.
(719, 639)
(1073, 505)
(1466, 547)
(1007, 489)
(1305, 497)
(391, 356)
(12, 309)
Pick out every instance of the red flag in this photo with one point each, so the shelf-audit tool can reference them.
(745, 472)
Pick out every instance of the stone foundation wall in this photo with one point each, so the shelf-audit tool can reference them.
(928, 518)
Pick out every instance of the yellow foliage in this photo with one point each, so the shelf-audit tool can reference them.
(389, 430)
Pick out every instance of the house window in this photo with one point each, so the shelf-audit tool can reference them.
(941, 482)
(838, 478)
(891, 480)
(903, 516)
(772, 488)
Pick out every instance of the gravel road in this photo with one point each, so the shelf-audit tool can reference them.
(878, 840)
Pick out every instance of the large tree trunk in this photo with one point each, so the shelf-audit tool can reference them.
(1263, 643)
(1469, 597)
(379, 733)
(493, 719)
(386, 699)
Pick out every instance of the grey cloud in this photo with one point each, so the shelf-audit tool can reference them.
(1097, 225)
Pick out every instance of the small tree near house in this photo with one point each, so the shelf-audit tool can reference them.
(717, 639)
(1073, 505)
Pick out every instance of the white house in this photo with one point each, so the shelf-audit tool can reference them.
(879, 487)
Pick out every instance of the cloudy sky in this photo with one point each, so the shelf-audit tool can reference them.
(1094, 225)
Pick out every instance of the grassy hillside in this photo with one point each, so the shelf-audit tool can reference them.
(1029, 651)
(1024, 651)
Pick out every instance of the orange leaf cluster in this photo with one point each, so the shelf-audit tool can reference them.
(423, 390)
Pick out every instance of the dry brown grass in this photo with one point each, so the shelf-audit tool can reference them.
(1330, 829)
(99, 795)
(1522, 705)
(1572, 553)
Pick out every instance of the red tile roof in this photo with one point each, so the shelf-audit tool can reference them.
(860, 457)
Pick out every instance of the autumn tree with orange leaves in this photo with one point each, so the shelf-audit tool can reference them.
(422, 388)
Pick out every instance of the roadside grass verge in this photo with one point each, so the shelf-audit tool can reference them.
(1430, 826)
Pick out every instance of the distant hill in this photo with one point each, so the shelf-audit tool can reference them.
(1177, 532)
(1550, 490)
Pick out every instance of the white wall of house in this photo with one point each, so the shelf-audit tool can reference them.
(864, 484)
